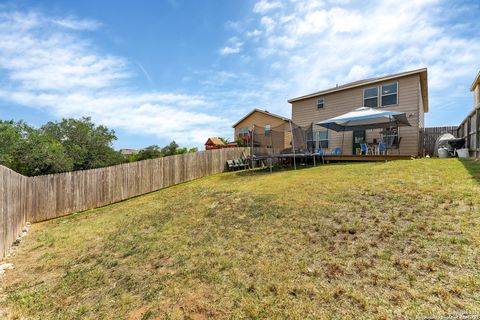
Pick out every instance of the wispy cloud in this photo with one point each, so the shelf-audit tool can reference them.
(47, 66)
(234, 46)
(321, 43)
(77, 24)
(266, 5)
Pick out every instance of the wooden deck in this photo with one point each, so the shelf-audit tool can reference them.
(328, 158)
(389, 157)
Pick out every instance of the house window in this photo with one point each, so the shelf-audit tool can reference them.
(370, 97)
(268, 129)
(390, 136)
(323, 139)
(318, 139)
(242, 133)
(389, 94)
(320, 103)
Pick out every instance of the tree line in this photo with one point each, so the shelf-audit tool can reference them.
(67, 145)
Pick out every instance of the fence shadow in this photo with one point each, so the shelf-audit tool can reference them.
(473, 167)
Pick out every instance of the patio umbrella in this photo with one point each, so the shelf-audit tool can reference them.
(365, 118)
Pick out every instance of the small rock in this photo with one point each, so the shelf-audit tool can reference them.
(6, 266)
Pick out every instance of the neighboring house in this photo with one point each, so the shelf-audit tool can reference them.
(214, 143)
(127, 152)
(264, 119)
(475, 88)
(470, 127)
(404, 92)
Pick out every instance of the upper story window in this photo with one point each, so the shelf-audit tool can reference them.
(268, 129)
(370, 97)
(320, 102)
(389, 94)
(242, 132)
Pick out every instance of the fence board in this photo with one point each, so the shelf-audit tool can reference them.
(469, 129)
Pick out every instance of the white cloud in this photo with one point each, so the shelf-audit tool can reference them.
(263, 6)
(268, 23)
(321, 43)
(46, 65)
(234, 46)
(229, 50)
(254, 33)
(76, 24)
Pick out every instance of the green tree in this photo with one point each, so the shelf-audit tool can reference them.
(224, 140)
(193, 150)
(89, 146)
(10, 139)
(150, 152)
(39, 153)
(170, 149)
(30, 151)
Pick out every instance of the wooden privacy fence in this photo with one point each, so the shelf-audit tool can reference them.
(41, 198)
(428, 137)
(470, 130)
(15, 194)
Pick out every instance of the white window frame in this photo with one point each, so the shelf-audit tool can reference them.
(322, 103)
(243, 131)
(316, 138)
(320, 140)
(389, 94)
(378, 95)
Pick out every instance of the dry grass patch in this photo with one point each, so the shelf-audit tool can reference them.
(395, 240)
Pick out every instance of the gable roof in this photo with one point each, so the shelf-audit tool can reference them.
(215, 141)
(423, 82)
(261, 111)
(475, 82)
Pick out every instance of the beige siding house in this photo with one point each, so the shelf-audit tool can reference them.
(404, 92)
(261, 118)
(475, 88)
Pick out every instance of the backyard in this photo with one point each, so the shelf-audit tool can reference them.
(368, 240)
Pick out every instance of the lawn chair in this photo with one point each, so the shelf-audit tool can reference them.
(382, 148)
(243, 163)
(320, 151)
(337, 151)
(363, 148)
(231, 165)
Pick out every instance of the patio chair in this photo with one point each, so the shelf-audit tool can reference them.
(320, 151)
(243, 163)
(231, 165)
(337, 151)
(239, 164)
(363, 148)
(382, 148)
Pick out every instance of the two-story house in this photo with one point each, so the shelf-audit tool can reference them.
(404, 92)
(263, 119)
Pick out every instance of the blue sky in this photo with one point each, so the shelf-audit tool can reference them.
(160, 70)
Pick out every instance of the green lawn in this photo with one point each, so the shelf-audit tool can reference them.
(356, 241)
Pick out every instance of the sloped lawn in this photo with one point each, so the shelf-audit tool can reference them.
(355, 241)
